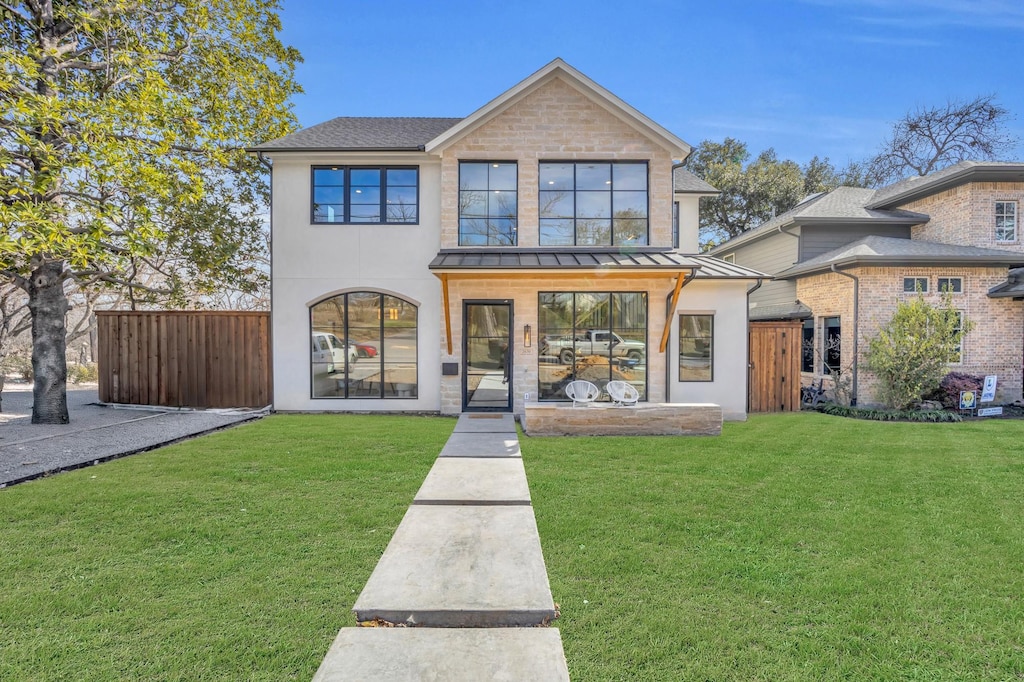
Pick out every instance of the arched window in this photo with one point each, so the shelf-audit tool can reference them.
(363, 345)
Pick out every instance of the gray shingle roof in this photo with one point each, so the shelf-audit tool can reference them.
(369, 133)
(587, 259)
(780, 311)
(1013, 287)
(917, 187)
(685, 181)
(882, 251)
(841, 205)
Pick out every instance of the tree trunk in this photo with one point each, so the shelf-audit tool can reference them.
(49, 305)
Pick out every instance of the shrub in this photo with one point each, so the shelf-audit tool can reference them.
(889, 415)
(948, 392)
(910, 353)
(80, 374)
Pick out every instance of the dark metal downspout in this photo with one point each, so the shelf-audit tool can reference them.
(747, 342)
(270, 256)
(856, 330)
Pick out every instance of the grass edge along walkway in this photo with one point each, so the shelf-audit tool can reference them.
(792, 547)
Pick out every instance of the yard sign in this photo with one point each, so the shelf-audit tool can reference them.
(968, 400)
(988, 393)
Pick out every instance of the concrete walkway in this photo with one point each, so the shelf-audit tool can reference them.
(463, 574)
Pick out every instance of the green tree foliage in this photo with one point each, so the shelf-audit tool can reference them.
(123, 131)
(910, 353)
(930, 138)
(755, 191)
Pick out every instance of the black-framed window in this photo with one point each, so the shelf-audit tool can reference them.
(364, 346)
(957, 328)
(696, 347)
(593, 203)
(593, 336)
(488, 203)
(951, 285)
(832, 351)
(365, 194)
(807, 347)
(915, 285)
(1006, 221)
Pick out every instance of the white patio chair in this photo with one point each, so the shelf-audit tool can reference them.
(580, 391)
(622, 393)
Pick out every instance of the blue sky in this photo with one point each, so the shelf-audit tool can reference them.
(807, 77)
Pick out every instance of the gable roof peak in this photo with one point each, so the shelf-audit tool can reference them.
(559, 68)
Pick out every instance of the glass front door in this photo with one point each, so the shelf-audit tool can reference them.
(487, 356)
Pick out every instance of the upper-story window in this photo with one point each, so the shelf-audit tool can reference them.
(488, 203)
(952, 285)
(1006, 221)
(361, 194)
(593, 203)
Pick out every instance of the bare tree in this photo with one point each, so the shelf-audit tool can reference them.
(931, 138)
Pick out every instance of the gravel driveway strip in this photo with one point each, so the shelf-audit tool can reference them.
(97, 433)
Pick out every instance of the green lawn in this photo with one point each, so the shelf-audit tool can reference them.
(795, 547)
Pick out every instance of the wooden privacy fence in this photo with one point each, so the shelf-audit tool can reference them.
(775, 366)
(184, 359)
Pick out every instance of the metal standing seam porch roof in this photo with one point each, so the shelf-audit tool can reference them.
(621, 260)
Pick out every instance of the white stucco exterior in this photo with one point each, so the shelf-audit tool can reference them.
(314, 262)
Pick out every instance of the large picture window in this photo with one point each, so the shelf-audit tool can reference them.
(488, 203)
(363, 346)
(597, 337)
(356, 194)
(696, 344)
(593, 204)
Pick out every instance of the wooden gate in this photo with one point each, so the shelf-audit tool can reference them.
(184, 358)
(775, 365)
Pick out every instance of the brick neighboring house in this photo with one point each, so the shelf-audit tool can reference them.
(844, 259)
(480, 263)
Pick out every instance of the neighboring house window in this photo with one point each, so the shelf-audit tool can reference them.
(953, 285)
(363, 346)
(696, 341)
(675, 224)
(915, 285)
(488, 203)
(593, 204)
(833, 345)
(357, 194)
(1006, 221)
(594, 336)
(958, 352)
(807, 347)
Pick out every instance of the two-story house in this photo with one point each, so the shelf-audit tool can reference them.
(844, 259)
(479, 263)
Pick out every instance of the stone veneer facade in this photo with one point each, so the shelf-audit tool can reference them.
(528, 132)
(995, 346)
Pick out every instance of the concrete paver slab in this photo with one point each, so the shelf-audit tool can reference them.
(482, 445)
(424, 654)
(465, 480)
(461, 566)
(486, 422)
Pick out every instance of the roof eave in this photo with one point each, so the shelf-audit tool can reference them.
(307, 150)
(907, 261)
(988, 173)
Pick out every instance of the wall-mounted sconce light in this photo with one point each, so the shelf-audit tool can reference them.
(527, 336)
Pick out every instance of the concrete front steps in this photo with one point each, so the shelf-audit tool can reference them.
(463, 574)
